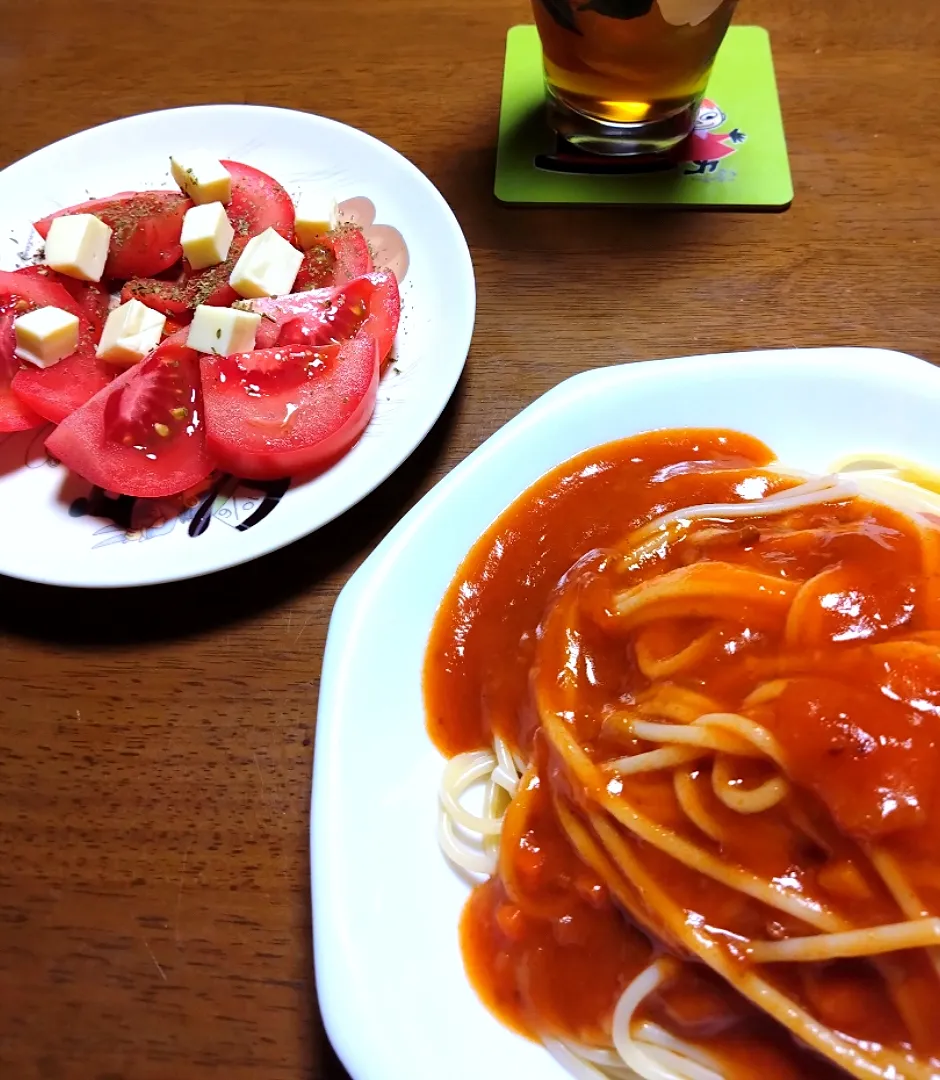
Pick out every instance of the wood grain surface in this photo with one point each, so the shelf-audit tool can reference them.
(156, 745)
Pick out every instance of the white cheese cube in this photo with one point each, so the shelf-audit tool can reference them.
(77, 245)
(316, 216)
(203, 177)
(131, 331)
(207, 235)
(222, 330)
(45, 336)
(266, 267)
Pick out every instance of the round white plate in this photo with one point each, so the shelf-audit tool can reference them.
(51, 532)
(391, 985)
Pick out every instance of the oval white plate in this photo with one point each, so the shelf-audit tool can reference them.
(392, 990)
(48, 534)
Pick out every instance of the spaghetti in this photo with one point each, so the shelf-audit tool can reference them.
(698, 697)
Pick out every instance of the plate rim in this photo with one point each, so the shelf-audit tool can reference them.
(342, 1020)
(461, 262)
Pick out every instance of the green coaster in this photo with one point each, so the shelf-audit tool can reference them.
(736, 158)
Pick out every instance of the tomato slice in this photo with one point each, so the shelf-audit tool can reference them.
(352, 255)
(318, 270)
(144, 434)
(56, 391)
(92, 297)
(173, 325)
(15, 415)
(258, 202)
(371, 303)
(146, 230)
(179, 299)
(335, 260)
(31, 287)
(282, 411)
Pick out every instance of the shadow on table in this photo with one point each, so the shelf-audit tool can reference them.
(124, 617)
(328, 1066)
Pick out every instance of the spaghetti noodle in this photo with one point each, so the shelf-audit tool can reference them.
(700, 695)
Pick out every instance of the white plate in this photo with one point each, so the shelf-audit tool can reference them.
(41, 540)
(391, 985)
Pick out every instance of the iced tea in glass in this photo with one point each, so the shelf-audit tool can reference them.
(627, 76)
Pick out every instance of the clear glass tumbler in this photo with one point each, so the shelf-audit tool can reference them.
(626, 76)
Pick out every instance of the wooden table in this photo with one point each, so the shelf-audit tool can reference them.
(156, 746)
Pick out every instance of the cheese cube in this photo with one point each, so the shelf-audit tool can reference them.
(131, 331)
(203, 177)
(207, 235)
(222, 330)
(266, 267)
(316, 216)
(77, 245)
(45, 336)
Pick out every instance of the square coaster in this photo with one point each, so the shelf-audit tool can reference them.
(735, 159)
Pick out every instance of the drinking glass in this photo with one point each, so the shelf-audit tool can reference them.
(626, 76)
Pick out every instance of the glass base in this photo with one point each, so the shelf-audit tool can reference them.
(619, 140)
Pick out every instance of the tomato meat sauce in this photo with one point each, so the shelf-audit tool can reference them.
(547, 947)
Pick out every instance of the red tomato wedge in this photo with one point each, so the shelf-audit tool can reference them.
(15, 415)
(282, 411)
(353, 258)
(146, 230)
(325, 316)
(32, 287)
(318, 270)
(179, 299)
(93, 298)
(144, 434)
(258, 202)
(174, 325)
(56, 391)
(335, 260)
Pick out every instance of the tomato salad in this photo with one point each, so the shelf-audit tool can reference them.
(249, 336)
